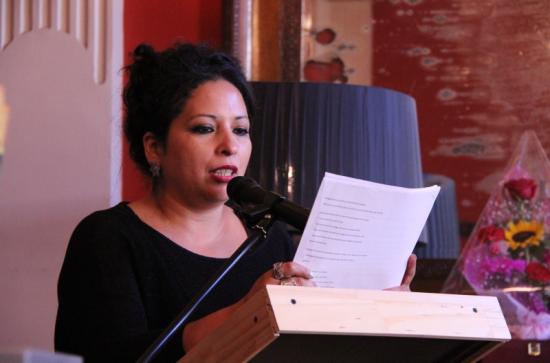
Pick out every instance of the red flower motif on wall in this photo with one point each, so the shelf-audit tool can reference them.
(317, 71)
(325, 36)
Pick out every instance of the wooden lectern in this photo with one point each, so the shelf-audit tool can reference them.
(304, 324)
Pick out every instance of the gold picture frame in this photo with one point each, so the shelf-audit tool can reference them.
(301, 40)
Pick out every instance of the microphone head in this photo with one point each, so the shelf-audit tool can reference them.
(240, 187)
(245, 191)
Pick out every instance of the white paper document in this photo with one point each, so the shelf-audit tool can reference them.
(360, 234)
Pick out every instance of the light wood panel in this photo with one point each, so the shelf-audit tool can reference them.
(320, 325)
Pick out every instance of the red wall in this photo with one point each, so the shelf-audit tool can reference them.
(479, 72)
(161, 23)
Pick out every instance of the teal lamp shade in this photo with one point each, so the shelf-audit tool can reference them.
(302, 130)
(442, 225)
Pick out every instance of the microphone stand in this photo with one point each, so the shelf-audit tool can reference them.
(259, 219)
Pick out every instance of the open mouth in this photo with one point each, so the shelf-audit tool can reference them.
(225, 171)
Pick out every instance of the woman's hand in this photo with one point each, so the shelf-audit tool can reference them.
(410, 271)
(288, 273)
(283, 273)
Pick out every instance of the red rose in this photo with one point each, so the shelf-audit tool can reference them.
(538, 272)
(521, 188)
(490, 234)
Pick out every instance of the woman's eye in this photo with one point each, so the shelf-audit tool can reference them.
(241, 131)
(202, 129)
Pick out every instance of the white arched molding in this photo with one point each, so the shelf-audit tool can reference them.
(85, 20)
(60, 64)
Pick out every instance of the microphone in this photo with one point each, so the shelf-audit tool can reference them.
(244, 190)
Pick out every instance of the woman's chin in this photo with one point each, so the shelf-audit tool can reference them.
(219, 195)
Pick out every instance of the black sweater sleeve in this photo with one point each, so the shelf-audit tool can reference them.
(101, 314)
(123, 282)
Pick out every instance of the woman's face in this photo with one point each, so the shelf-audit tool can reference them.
(207, 144)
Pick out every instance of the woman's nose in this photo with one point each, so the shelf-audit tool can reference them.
(228, 144)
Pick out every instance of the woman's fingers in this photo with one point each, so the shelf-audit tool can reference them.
(305, 282)
(399, 288)
(410, 271)
(294, 274)
(408, 277)
(291, 274)
(297, 281)
(290, 269)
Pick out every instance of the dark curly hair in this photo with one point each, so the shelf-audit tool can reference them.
(160, 83)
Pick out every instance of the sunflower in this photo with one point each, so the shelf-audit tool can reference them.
(524, 234)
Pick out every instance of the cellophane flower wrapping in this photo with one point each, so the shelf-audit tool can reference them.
(508, 253)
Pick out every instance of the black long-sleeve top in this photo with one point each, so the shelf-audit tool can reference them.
(122, 282)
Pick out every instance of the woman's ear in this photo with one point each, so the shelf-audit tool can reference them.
(152, 148)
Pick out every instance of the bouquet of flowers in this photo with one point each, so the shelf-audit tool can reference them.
(508, 253)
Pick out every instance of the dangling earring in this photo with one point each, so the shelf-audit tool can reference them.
(154, 169)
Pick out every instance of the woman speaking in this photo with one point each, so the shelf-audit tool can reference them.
(130, 269)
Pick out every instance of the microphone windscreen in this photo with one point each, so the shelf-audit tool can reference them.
(243, 189)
